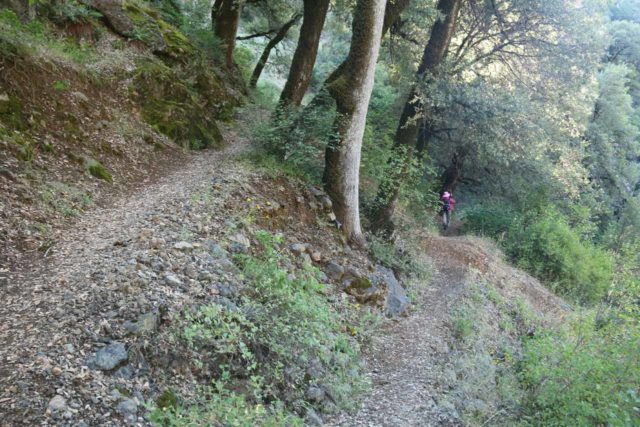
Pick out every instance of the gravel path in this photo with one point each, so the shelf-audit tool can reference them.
(56, 311)
(408, 359)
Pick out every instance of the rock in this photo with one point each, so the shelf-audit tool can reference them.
(57, 404)
(120, 21)
(332, 217)
(110, 356)
(239, 243)
(334, 270)
(298, 248)
(316, 256)
(315, 394)
(183, 246)
(157, 243)
(306, 259)
(128, 408)
(327, 204)
(191, 271)
(312, 418)
(315, 370)
(217, 252)
(145, 323)
(397, 302)
(69, 348)
(366, 292)
(56, 371)
(172, 280)
(126, 372)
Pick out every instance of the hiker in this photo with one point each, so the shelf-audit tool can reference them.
(448, 206)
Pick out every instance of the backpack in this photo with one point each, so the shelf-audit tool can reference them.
(447, 205)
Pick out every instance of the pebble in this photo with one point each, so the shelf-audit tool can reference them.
(172, 280)
(57, 404)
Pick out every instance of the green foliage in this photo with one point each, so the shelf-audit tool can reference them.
(583, 375)
(18, 38)
(542, 242)
(296, 138)
(261, 345)
(221, 407)
(68, 11)
(98, 170)
(405, 260)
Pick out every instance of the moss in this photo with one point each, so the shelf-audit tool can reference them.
(11, 112)
(159, 35)
(360, 283)
(98, 170)
(167, 399)
(176, 109)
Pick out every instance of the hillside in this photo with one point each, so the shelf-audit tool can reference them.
(289, 213)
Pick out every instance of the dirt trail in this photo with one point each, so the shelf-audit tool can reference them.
(57, 299)
(407, 357)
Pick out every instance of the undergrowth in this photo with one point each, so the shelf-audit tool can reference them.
(258, 349)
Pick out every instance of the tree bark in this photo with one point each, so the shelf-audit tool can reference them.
(453, 173)
(280, 35)
(411, 121)
(225, 16)
(352, 92)
(392, 13)
(304, 59)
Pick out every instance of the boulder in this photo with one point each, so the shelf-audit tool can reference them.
(366, 292)
(397, 302)
(334, 270)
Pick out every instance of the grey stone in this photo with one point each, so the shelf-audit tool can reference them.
(57, 404)
(110, 356)
(128, 408)
(145, 323)
(172, 280)
(315, 394)
(397, 302)
(191, 271)
(126, 372)
(183, 246)
(334, 270)
(298, 248)
(312, 418)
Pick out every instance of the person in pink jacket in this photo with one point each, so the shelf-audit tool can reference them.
(448, 206)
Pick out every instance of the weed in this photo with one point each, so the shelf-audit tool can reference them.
(262, 343)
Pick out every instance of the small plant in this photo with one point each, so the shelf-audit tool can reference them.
(61, 86)
(98, 170)
(261, 344)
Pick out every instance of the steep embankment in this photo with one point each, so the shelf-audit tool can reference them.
(450, 362)
(94, 102)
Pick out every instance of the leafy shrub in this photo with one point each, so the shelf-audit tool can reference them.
(583, 375)
(542, 242)
(261, 345)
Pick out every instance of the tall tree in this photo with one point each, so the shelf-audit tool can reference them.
(410, 120)
(352, 91)
(225, 18)
(315, 13)
(280, 35)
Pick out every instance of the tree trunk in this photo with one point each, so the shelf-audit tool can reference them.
(304, 59)
(226, 17)
(391, 15)
(352, 92)
(411, 121)
(280, 35)
(453, 173)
